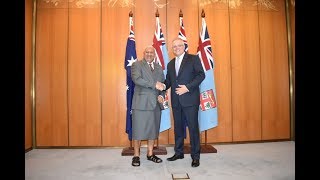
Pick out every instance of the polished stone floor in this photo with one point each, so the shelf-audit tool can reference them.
(250, 161)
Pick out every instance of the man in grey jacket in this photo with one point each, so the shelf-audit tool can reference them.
(146, 111)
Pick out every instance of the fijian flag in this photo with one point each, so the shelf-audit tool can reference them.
(162, 58)
(131, 57)
(208, 114)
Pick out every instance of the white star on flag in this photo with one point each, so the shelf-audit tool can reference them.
(131, 61)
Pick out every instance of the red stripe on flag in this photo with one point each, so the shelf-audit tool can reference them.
(204, 57)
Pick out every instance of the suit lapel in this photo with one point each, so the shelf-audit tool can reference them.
(157, 68)
(147, 69)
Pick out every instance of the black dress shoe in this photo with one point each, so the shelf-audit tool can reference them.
(195, 163)
(175, 157)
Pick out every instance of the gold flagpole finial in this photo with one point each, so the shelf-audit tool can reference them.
(203, 14)
(157, 13)
(130, 14)
(180, 13)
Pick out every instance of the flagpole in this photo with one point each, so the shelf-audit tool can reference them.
(131, 148)
(204, 148)
(128, 151)
(157, 145)
(180, 13)
(157, 150)
(205, 137)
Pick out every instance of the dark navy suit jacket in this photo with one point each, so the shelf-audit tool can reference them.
(190, 74)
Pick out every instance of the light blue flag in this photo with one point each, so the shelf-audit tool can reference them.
(165, 114)
(208, 114)
(208, 118)
(162, 58)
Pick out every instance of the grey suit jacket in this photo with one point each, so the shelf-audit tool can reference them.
(145, 95)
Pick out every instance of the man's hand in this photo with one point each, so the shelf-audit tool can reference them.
(160, 99)
(181, 89)
(160, 86)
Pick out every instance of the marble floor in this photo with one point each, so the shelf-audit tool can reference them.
(250, 161)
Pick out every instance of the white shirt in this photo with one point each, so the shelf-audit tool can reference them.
(178, 63)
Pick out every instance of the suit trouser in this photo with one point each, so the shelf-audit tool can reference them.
(191, 115)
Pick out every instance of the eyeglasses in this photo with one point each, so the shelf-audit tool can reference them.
(179, 45)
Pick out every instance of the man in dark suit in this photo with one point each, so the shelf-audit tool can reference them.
(185, 99)
(146, 112)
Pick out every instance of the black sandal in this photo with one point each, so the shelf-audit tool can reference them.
(135, 161)
(154, 158)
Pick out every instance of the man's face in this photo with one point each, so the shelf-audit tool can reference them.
(149, 54)
(178, 47)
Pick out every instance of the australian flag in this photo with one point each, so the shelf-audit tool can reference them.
(162, 58)
(208, 114)
(131, 57)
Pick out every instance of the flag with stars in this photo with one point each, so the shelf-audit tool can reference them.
(208, 113)
(130, 57)
(162, 58)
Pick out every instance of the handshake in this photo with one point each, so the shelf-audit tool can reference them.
(160, 86)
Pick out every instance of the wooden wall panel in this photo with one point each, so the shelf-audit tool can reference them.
(293, 30)
(292, 71)
(274, 73)
(246, 77)
(28, 75)
(84, 76)
(217, 19)
(144, 22)
(51, 77)
(114, 75)
(80, 78)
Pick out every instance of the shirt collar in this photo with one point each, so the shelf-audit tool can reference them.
(181, 56)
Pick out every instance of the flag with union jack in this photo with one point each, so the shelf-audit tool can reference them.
(130, 57)
(162, 58)
(182, 34)
(208, 114)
